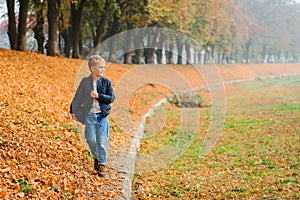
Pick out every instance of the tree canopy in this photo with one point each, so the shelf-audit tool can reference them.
(241, 30)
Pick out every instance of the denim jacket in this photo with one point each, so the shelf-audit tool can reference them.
(82, 101)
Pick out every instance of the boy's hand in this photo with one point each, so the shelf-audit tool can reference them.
(94, 94)
(74, 117)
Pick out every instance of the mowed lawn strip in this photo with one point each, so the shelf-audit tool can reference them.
(257, 155)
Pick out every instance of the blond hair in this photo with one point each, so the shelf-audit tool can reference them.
(95, 59)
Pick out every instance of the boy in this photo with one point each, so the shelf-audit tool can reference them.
(91, 105)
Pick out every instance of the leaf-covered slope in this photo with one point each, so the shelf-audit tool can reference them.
(39, 144)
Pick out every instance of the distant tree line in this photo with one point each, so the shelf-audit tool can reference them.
(225, 31)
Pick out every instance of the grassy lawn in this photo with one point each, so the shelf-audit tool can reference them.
(256, 157)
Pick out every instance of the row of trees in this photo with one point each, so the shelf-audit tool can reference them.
(269, 30)
(223, 30)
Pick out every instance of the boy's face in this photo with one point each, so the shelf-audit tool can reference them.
(98, 69)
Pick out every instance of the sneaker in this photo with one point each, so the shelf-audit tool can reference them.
(101, 171)
(96, 164)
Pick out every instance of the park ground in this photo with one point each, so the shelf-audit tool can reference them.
(43, 155)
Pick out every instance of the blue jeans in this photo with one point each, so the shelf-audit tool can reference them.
(96, 135)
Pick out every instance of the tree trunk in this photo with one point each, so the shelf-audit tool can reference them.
(22, 25)
(129, 43)
(212, 55)
(53, 12)
(150, 55)
(138, 56)
(159, 51)
(188, 53)
(169, 54)
(76, 22)
(66, 34)
(220, 58)
(179, 51)
(112, 44)
(247, 56)
(102, 23)
(112, 48)
(39, 28)
(201, 57)
(159, 55)
(196, 57)
(286, 55)
(232, 56)
(12, 30)
(128, 58)
(150, 49)
(207, 56)
(139, 47)
(264, 51)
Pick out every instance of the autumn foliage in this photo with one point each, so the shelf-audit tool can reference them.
(42, 151)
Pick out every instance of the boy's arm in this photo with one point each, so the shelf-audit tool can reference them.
(109, 96)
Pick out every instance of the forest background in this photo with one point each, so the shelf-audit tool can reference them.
(222, 31)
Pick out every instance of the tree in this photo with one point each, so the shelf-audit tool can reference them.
(12, 30)
(17, 38)
(52, 15)
(272, 26)
(76, 13)
(39, 7)
(162, 14)
(102, 23)
(65, 27)
(133, 15)
(113, 30)
(22, 25)
(152, 37)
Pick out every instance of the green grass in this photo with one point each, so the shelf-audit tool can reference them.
(24, 186)
(70, 127)
(57, 137)
(256, 157)
(245, 125)
(290, 107)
